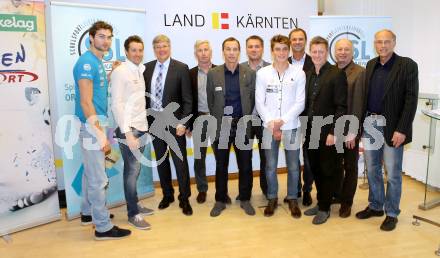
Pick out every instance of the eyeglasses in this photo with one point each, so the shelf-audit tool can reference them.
(161, 47)
(383, 42)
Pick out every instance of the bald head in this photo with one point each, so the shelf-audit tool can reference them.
(343, 52)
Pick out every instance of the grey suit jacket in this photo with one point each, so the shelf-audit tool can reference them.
(215, 89)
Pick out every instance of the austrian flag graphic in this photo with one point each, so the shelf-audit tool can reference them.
(217, 18)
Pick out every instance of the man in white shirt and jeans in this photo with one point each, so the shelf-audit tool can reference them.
(280, 99)
(128, 106)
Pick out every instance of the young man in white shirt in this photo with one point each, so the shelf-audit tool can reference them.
(128, 106)
(279, 99)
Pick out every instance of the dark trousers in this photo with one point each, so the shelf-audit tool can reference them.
(346, 187)
(307, 175)
(164, 169)
(244, 162)
(257, 132)
(325, 164)
(200, 164)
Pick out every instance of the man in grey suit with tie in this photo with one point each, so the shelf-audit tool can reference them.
(391, 90)
(231, 96)
(168, 84)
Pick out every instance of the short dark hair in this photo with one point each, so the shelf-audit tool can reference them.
(230, 39)
(298, 29)
(134, 38)
(318, 40)
(281, 39)
(99, 25)
(257, 38)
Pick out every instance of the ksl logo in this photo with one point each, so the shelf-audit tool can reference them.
(15, 75)
(218, 21)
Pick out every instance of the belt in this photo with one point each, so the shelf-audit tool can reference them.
(372, 114)
(203, 113)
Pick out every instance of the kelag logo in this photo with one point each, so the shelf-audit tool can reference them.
(216, 21)
(19, 23)
(80, 43)
(11, 75)
(357, 37)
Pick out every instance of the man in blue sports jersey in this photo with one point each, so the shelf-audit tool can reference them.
(91, 88)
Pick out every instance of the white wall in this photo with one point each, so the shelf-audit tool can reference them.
(417, 25)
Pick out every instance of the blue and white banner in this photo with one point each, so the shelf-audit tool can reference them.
(359, 29)
(28, 186)
(69, 39)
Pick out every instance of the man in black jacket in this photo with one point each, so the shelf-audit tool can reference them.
(326, 98)
(167, 84)
(298, 41)
(391, 90)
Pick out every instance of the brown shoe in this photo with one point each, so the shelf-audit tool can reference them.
(294, 209)
(201, 197)
(345, 211)
(270, 208)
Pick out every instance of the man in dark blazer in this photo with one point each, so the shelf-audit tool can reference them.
(254, 52)
(231, 96)
(355, 98)
(298, 41)
(199, 74)
(326, 97)
(167, 82)
(391, 90)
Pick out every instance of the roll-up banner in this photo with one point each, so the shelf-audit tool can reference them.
(28, 183)
(69, 39)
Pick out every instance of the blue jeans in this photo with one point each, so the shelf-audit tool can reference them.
(94, 182)
(291, 149)
(392, 159)
(132, 168)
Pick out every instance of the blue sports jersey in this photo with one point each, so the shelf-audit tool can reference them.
(90, 67)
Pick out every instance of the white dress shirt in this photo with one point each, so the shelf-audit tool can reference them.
(280, 96)
(128, 97)
(299, 63)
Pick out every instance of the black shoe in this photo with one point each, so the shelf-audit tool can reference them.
(237, 198)
(271, 207)
(228, 199)
(285, 200)
(388, 224)
(201, 197)
(114, 233)
(294, 209)
(165, 202)
(299, 194)
(345, 210)
(87, 219)
(368, 213)
(307, 199)
(186, 207)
